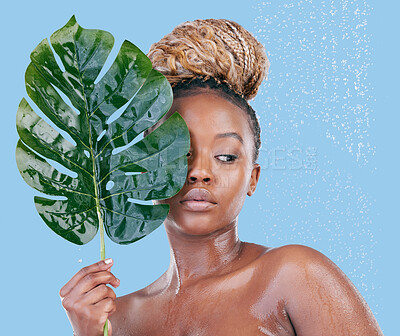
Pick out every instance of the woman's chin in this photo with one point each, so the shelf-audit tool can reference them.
(193, 227)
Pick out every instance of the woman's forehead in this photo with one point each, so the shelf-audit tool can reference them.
(210, 111)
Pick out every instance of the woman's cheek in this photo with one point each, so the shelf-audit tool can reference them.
(235, 198)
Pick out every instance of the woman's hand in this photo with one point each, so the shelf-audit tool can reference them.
(88, 301)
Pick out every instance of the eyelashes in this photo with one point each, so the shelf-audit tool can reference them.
(225, 158)
(228, 158)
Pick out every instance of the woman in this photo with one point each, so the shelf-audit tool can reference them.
(217, 284)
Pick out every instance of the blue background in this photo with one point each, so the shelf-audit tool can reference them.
(329, 155)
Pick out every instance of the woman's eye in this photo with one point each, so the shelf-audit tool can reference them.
(227, 157)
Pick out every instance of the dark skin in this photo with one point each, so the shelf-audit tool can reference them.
(217, 284)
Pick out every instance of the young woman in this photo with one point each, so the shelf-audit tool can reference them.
(217, 284)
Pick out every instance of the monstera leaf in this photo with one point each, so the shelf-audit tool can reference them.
(104, 172)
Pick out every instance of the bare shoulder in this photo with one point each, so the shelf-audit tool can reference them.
(120, 317)
(292, 261)
(320, 298)
(136, 311)
(296, 253)
(295, 262)
(308, 267)
(130, 311)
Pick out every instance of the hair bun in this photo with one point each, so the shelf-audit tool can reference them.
(218, 48)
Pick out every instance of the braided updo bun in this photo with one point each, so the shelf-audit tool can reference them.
(221, 49)
(214, 54)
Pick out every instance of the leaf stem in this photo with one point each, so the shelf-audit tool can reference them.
(101, 226)
(102, 245)
(95, 183)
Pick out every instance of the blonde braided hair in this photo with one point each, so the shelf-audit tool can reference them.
(216, 48)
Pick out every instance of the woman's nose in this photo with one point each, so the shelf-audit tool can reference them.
(199, 169)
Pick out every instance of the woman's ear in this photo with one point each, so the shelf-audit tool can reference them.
(255, 175)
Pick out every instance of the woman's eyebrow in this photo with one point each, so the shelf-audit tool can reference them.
(229, 134)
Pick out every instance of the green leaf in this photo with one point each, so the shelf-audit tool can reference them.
(104, 171)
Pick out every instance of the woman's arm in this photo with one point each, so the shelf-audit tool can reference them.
(321, 300)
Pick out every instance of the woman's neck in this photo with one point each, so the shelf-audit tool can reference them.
(194, 257)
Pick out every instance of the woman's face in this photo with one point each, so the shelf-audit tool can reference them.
(220, 166)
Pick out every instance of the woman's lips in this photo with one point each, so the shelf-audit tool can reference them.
(198, 205)
(198, 199)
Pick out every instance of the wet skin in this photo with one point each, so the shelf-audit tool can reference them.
(216, 284)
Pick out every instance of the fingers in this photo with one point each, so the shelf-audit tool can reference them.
(107, 306)
(88, 300)
(103, 265)
(98, 294)
(92, 280)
